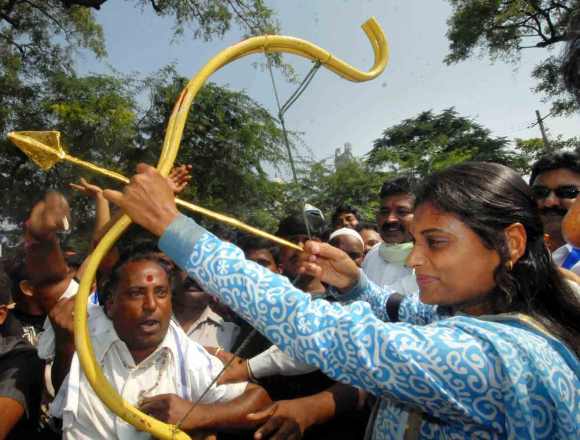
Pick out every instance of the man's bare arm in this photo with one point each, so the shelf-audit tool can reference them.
(230, 415)
(10, 413)
(285, 416)
(45, 262)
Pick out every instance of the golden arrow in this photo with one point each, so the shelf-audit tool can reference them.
(45, 149)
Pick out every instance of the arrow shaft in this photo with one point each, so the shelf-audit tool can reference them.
(187, 205)
(96, 169)
(236, 224)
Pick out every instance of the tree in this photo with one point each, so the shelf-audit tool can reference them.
(503, 28)
(98, 114)
(530, 150)
(97, 117)
(38, 39)
(353, 183)
(431, 142)
(229, 140)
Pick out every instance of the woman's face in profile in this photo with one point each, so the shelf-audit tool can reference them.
(452, 265)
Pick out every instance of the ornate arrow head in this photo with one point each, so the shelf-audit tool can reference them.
(42, 147)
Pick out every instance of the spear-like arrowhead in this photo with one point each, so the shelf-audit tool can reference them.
(42, 147)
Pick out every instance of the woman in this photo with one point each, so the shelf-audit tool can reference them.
(489, 351)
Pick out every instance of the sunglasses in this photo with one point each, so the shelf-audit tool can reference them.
(562, 192)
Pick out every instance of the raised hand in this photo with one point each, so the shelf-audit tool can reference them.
(48, 216)
(86, 188)
(329, 264)
(179, 177)
(61, 317)
(147, 199)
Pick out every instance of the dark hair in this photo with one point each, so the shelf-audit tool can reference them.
(344, 209)
(569, 160)
(366, 225)
(144, 252)
(294, 224)
(399, 185)
(15, 268)
(249, 243)
(489, 197)
(571, 61)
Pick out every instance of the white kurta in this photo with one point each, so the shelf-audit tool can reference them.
(392, 276)
(178, 366)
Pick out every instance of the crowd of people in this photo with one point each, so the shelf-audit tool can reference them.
(455, 313)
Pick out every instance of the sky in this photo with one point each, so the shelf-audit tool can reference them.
(334, 111)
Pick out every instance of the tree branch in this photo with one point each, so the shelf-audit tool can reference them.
(46, 14)
(553, 40)
(96, 4)
(5, 14)
(546, 16)
(242, 18)
(539, 27)
(15, 44)
(561, 6)
(156, 6)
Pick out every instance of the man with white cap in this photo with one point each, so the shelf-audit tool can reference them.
(349, 241)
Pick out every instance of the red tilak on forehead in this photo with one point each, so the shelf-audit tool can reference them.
(149, 278)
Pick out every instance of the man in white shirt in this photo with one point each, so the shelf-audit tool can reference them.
(555, 182)
(192, 310)
(385, 263)
(150, 361)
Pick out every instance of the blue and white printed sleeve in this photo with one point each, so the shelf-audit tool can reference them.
(452, 369)
(410, 310)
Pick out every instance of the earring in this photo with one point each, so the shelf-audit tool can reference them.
(509, 265)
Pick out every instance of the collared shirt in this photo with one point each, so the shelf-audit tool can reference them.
(178, 366)
(471, 378)
(560, 255)
(211, 330)
(393, 276)
(274, 361)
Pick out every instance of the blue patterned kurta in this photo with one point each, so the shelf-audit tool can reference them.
(469, 377)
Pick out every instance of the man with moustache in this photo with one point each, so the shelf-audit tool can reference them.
(555, 182)
(385, 264)
(150, 361)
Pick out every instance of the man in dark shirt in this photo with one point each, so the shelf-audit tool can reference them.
(27, 310)
(20, 376)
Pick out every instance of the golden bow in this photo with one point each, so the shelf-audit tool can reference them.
(269, 43)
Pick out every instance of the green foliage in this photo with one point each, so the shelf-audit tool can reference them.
(353, 183)
(529, 150)
(431, 142)
(99, 116)
(502, 28)
(228, 140)
(211, 19)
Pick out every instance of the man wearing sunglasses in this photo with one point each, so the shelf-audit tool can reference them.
(555, 182)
